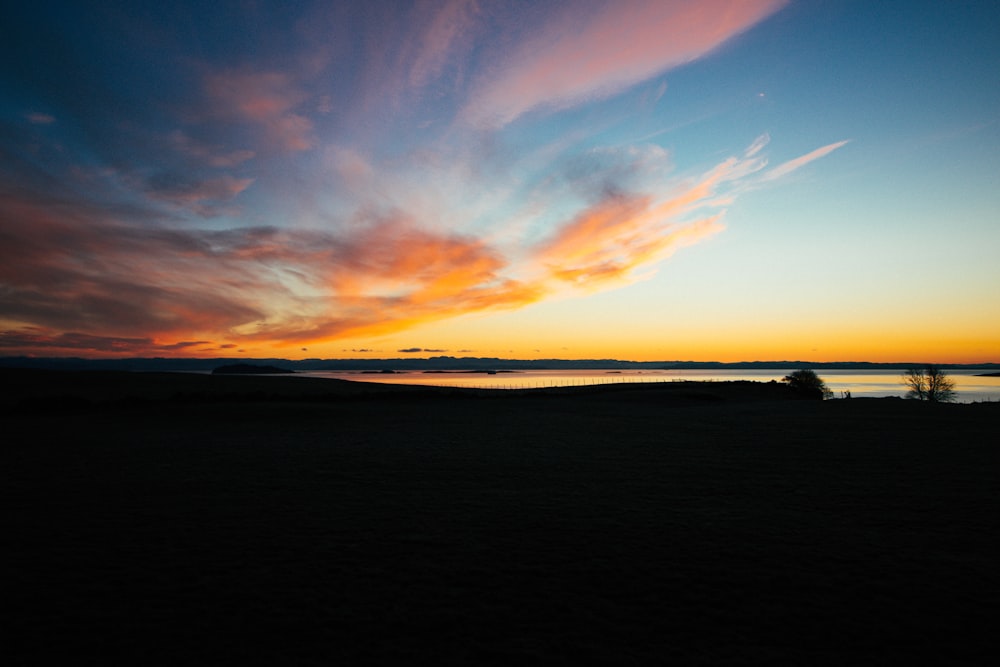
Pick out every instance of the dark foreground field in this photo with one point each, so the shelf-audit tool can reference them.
(153, 519)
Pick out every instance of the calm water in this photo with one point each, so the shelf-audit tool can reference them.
(859, 383)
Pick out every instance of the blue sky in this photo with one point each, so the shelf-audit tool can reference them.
(649, 180)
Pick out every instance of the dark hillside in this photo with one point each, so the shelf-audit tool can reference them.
(325, 523)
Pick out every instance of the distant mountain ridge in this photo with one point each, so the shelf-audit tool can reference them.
(445, 363)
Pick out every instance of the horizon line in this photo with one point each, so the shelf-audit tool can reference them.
(56, 359)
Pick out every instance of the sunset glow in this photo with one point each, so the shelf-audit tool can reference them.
(652, 180)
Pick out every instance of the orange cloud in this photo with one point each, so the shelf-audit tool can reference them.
(74, 276)
(44, 342)
(374, 316)
(427, 264)
(73, 267)
(100, 248)
(612, 240)
(582, 56)
(104, 279)
(78, 270)
(394, 275)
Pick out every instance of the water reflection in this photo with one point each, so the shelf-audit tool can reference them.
(969, 388)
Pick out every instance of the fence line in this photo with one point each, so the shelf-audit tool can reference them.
(558, 384)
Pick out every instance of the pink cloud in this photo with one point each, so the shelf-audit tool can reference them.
(219, 189)
(267, 99)
(448, 26)
(37, 118)
(212, 155)
(291, 132)
(581, 56)
(251, 95)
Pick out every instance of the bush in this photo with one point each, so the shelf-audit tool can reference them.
(809, 385)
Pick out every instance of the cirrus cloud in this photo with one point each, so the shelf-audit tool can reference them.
(580, 56)
(788, 167)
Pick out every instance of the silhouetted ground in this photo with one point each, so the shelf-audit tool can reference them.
(160, 519)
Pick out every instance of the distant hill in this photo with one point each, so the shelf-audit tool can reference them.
(445, 363)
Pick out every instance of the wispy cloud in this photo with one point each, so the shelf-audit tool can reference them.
(268, 99)
(450, 27)
(208, 154)
(180, 189)
(80, 269)
(610, 242)
(788, 167)
(581, 56)
(758, 145)
(225, 230)
(73, 343)
(38, 118)
(91, 274)
(76, 268)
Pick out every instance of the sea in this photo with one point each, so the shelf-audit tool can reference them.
(969, 388)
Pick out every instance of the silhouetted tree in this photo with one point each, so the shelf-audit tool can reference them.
(807, 383)
(929, 384)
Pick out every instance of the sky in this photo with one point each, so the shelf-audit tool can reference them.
(720, 180)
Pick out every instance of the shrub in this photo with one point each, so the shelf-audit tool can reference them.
(806, 383)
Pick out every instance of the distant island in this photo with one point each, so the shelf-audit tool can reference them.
(250, 369)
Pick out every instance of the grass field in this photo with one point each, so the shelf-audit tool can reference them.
(175, 519)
